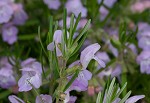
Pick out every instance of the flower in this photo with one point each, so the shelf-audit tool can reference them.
(68, 19)
(88, 54)
(69, 99)
(19, 16)
(52, 4)
(43, 98)
(56, 40)
(5, 12)
(31, 74)
(132, 99)
(81, 82)
(75, 6)
(9, 33)
(15, 99)
(6, 74)
(144, 60)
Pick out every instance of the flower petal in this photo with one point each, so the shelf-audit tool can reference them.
(134, 99)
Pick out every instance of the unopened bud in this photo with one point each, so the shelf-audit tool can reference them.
(91, 91)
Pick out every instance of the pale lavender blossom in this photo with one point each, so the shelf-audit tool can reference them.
(113, 72)
(81, 82)
(69, 99)
(144, 60)
(88, 54)
(132, 99)
(6, 12)
(103, 56)
(75, 6)
(43, 98)
(108, 3)
(15, 99)
(6, 74)
(103, 11)
(9, 33)
(52, 4)
(68, 19)
(82, 23)
(144, 36)
(144, 43)
(19, 15)
(56, 41)
(31, 75)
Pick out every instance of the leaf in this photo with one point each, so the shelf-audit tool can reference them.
(83, 31)
(41, 42)
(4, 94)
(72, 80)
(98, 98)
(125, 97)
(110, 90)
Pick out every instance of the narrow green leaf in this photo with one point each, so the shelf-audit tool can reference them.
(72, 80)
(41, 41)
(125, 97)
(50, 34)
(83, 31)
(98, 98)
(71, 30)
(120, 91)
(64, 26)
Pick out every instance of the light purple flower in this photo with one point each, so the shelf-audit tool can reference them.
(103, 56)
(144, 60)
(52, 4)
(15, 99)
(6, 74)
(134, 99)
(108, 3)
(88, 54)
(20, 15)
(75, 6)
(6, 12)
(103, 11)
(9, 33)
(144, 43)
(45, 98)
(81, 82)
(31, 74)
(82, 23)
(56, 40)
(69, 99)
(67, 22)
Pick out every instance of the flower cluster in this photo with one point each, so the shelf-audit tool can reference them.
(11, 15)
